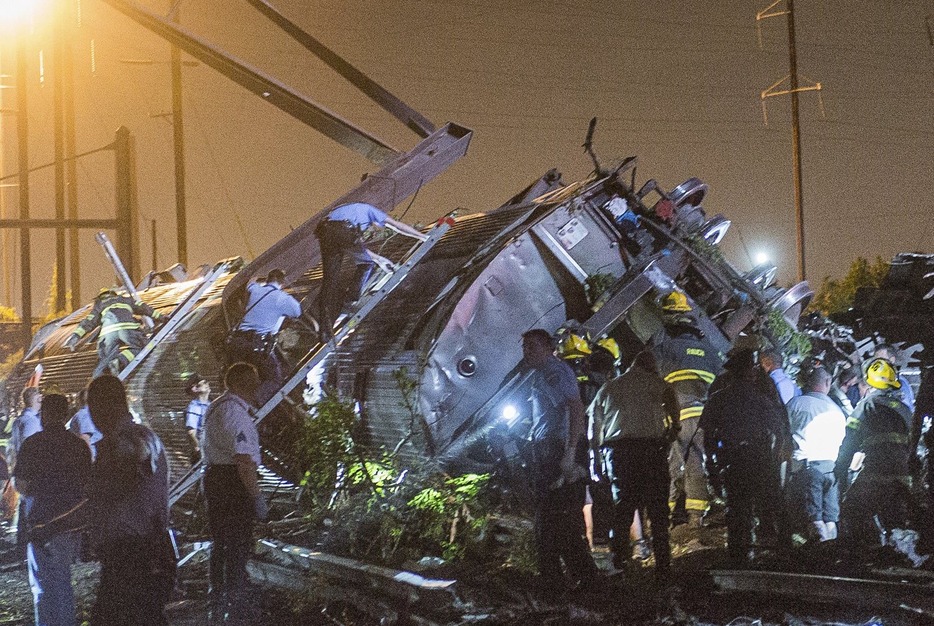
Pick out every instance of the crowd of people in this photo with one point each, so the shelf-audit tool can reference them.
(95, 481)
(833, 459)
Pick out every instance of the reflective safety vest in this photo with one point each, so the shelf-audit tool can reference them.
(690, 364)
(114, 313)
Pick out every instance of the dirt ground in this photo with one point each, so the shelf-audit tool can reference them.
(500, 596)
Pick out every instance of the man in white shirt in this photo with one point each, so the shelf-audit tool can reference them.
(818, 427)
(231, 454)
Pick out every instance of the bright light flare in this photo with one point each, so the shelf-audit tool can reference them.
(510, 414)
(762, 258)
(19, 13)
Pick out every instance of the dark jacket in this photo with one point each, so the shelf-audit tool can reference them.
(742, 413)
(113, 313)
(690, 364)
(880, 427)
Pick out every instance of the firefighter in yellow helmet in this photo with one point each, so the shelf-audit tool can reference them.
(121, 336)
(593, 362)
(877, 448)
(687, 361)
(676, 302)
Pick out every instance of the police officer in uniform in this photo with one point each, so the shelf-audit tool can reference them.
(689, 363)
(230, 448)
(559, 458)
(340, 234)
(254, 338)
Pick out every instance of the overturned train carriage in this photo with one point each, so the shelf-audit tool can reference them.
(596, 253)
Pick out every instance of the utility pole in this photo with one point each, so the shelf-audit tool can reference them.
(22, 132)
(58, 132)
(6, 255)
(796, 140)
(71, 160)
(178, 135)
(793, 90)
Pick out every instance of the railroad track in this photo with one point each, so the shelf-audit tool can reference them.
(908, 598)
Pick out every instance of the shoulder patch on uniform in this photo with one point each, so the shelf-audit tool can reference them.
(241, 437)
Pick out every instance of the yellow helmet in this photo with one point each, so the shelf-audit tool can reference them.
(882, 375)
(609, 344)
(676, 302)
(573, 347)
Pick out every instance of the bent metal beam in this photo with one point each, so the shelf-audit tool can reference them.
(276, 93)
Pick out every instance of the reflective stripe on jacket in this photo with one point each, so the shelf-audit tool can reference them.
(114, 313)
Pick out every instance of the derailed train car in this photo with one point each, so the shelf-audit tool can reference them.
(539, 266)
(598, 254)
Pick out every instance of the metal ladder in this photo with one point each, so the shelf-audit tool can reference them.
(322, 350)
(178, 315)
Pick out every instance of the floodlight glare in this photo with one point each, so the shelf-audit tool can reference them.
(762, 258)
(18, 13)
(510, 413)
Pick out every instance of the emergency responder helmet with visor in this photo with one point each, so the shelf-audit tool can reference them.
(676, 302)
(574, 346)
(880, 374)
(609, 344)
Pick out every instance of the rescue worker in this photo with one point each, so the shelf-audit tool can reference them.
(254, 338)
(690, 363)
(340, 234)
(635, 418)
(877, 448)
(771, 361)
(891, 354)
(121, 336)
(743, 425)
(593, 364)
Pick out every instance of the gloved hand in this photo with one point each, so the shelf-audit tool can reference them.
(71, 342)
(260, 508)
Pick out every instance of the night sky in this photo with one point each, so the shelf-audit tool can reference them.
(675, 83)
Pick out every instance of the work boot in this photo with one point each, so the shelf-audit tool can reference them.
(641, 551)
(695, 519)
